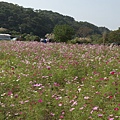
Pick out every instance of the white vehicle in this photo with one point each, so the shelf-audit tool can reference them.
(5, 37)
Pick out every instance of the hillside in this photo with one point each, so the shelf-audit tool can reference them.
(40, 22)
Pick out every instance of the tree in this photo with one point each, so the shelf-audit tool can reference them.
(40, 22)
(3, 30)
(114, 36)
(84, 31)
(63, 33)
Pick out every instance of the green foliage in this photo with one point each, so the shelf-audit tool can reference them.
(40, 22)
(3, 30)
(96, 38)
(80, 40)
(29, 37)
(114, 36)
(63, 33)
(84, 31)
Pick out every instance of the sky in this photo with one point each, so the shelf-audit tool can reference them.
(102, 13)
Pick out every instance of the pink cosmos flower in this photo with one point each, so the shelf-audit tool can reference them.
(91, 112)
(95, 108)
(112, 72)
(111, 97)
(40, 100)
(97, 92)
(21, 102)
(56, 84)
(12, 68)
(74, 103)
(63, 112)
(81, 108)
(48, 67)
(72, 109)
(37, 85)
(52, 114)
(9, 93)
(26, 101)
(86, 97)
(100, 115)
(110, 118)
(12, 105)
(116, 109)
(60, 104)
(20, 113)
(61, 67)
(16, 96)
(61, 117)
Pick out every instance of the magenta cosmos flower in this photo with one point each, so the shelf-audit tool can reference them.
(48, 67)
(40, 100)
(112, 72)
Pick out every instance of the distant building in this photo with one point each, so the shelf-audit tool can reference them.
(5, 37)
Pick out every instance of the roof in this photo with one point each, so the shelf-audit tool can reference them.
(5, 35)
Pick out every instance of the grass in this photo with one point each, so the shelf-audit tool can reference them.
(58, 81)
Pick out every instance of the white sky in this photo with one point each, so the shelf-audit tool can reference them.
(105, 13)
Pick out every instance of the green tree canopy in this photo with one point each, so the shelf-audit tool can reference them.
(40, 22)
(84, 31)
(63, 33)
(3, 30)
(114, 36)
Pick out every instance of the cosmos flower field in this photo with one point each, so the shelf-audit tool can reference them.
(57, 81)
